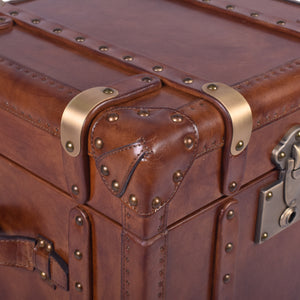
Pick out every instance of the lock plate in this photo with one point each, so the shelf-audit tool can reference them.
(279, 203)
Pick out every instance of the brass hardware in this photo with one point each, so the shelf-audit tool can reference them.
(298, 136)
(103, 48)
(41, 243)
(239, 146)
(226, 278)
(75, 115)
(14, 13)
(177, 176)
(112, 117)
(157, 68)
(79, 220)
(75, 189)
(254, 14)
(133, 200)
(230, 7)
(147, 79)
(35, 21)
(281, 22)
(143, 113)
(2, 19)
(188, 142)
(279, 201)
(188, 80)
(239, 111)
(80, 39)
(78, 286)
(78, 254)
(98, 143)
(230, 215)
(232, 186)
(128, 58)
(57, 30)
(108, 91)
(156, 203)
(229, 248)
(49, 248)
(115, 185)
(43, 275)
(177, 118)
(104, 170)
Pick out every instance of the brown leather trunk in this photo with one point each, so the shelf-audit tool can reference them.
(182, 179)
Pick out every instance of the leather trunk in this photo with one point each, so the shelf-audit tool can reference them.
(149, 149)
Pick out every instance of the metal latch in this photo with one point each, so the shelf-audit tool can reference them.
(279, 203)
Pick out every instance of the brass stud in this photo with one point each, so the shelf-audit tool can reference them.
(75, 189)
(128, 58)
(233, 186)
(281, 155)
(78, 286)
(115, 185)
(157, 68)
(2, 19)
(108, 91)
(254, 14)
(205, 0)
(298, 135)
(177, 118)
(269, 195)
(147, 79)
(156, 203)
(112, 117)
(43, 275)
(35, 21)
(103, 48)
(78, 254)
(98, 143)
(104, 170)
(212, 87)
(133, 200)
(41, 243)
(14, 13)
(143, 113)
(49, 248)
(264, 236)
(177, 176)
(281, 22)
(69, 146)
(226, 278)
(79, 220)
(228, 247)
(230, 214)
(188, 142)
(239, 146)
(80, 39)
(188, 80)
(230, 7)
(57, 30)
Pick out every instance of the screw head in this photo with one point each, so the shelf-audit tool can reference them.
(188, 80)
(254, 14)
(78, 286)
(230, 214)
(188, 142)
(103, 48)
(233, 186)
(78, 254)
(128, 58)
(228, 247)
(80, 39)
(14, 13)
(98, 143)
(75, 189)
(41, 243)
(157, 68)
(115, 185)
(264, 236)
(281, 22)
(69, 146)
(230, 7)
(43, 275)
(177, 118)
(112, 117)
(57, 30)
(212, 87)
(156, 203)
(226, 278)
(35, 21)
(281, 155)
(147, 79)
(239, 146)
(143, 113)
(133, 200)
(104, 170)
(177, 176)
(269, 195)
(108, 91)
(79, 220)
(49, 248)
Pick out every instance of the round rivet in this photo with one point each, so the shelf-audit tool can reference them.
(112, 117)
(281, 155)
(78, 286)
(79, 220)
(108, 91)
(147, 79)
(281, 22)
(75, 189)
(269, 195)
(77, 254)
(254, 14)
(133, 200)
(35, 21)
(188, 142)
(143, 113)
(239, 146)
(57, 30)
(41, 244)
(156, 203)
(80, 39)
(230, 215)
(298, 135)
(115, 185)
(98, 143)
(177, 176)
(104, 170)
(128, 58)
(228, 247)
(69, 146)
(43, 275)
(188, 80)
(103, 48)
(264, 236)
(14, 13)
(232, 186)
(157, 68)
(230, 7)
(212, 87)
(226, 278)
(49, 248)
(177, 118)
(2, 19)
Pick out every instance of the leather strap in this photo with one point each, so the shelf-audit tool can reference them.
(32, 254)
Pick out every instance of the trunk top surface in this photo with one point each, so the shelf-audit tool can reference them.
(192, 39)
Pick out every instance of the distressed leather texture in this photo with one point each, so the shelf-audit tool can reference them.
(150, 218)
